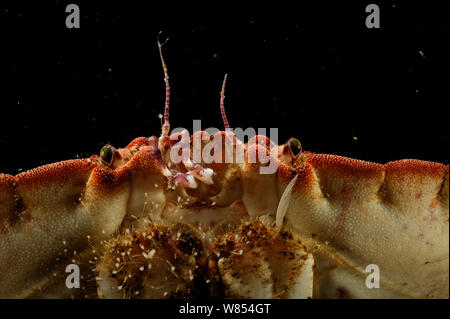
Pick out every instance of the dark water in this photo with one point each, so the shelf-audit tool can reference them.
(312, 71)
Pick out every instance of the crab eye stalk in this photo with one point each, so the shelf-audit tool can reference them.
(295, 147)
(107, 154)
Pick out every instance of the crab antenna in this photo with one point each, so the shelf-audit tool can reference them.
(222, 107)
(166, 80)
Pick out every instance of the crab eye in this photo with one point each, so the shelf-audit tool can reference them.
(295, 146)
(107, 154)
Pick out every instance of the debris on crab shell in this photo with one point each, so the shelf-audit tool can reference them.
(156, 262)
(139, 224)
(261, 262)
(162, 261)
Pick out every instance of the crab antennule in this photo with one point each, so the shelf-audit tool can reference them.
(195, 171)
(224, 117)
(179, 179)
(222, 107)
(204, 175)
(166, 126)
(184, 180)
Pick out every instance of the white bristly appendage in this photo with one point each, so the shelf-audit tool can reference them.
(284, 202)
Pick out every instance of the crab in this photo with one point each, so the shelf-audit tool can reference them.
(140, 225)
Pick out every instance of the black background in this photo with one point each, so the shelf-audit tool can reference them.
(312, 71)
